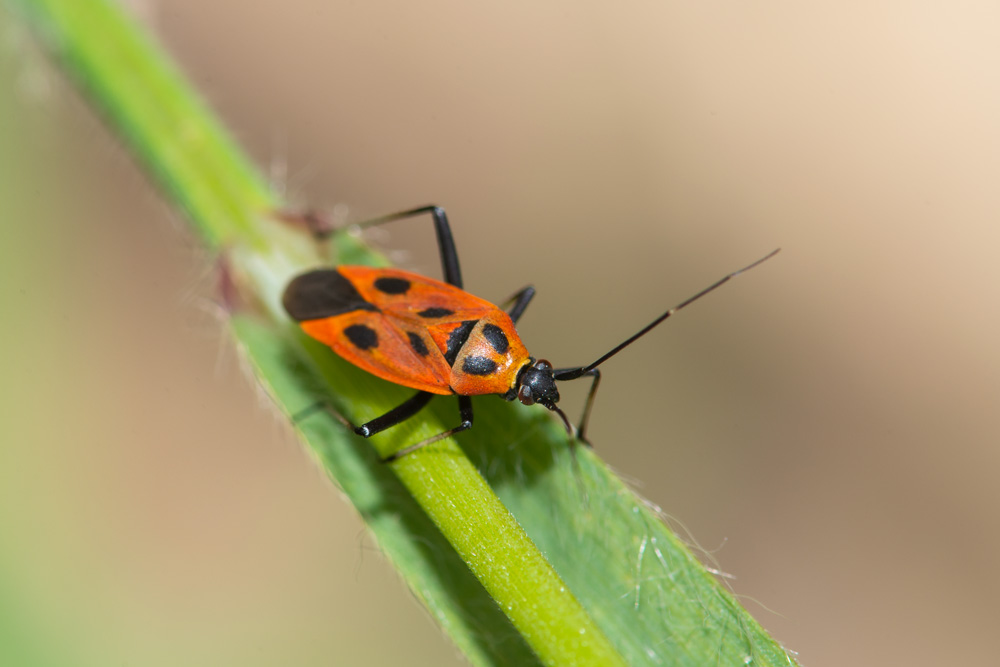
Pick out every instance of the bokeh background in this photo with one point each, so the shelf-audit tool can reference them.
(826, 427)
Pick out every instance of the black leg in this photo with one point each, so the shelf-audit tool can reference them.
(573, 374)
(322, 228)
(398, 414)
(464, 408)
(318, 225)
(446, 244)
(521, 301)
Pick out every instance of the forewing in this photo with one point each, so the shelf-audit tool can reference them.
(400, 326)
(384, 345)
(413, 297)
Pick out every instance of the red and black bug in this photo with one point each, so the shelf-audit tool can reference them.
(435, 337)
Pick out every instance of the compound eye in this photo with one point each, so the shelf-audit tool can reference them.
(543, 365)
(524, 395)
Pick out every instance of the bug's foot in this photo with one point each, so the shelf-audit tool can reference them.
(392, 457)
(323, 406)
(364, 431)
(318, 224)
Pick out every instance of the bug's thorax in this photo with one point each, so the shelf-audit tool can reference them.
(489, 359)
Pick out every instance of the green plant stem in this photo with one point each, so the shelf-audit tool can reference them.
(626, 586)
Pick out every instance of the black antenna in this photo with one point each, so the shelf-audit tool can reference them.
(573, 374)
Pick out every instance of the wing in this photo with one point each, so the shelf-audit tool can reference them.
(416, 303)
(386, 347)
(414, 297)
(400, 326)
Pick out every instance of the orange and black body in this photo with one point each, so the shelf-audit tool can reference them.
(433, 336)
(411, 330)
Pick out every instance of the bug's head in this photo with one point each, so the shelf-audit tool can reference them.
(537, 385)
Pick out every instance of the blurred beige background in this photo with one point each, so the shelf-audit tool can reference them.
(830, 419)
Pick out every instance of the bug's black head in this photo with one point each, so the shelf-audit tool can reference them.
(537, 385)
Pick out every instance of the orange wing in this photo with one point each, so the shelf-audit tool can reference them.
(394, 324)
(377, 343)
(413, 297)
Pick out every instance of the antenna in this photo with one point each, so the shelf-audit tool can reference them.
(572, 374)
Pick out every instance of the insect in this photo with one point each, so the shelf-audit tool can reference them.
(435, 337)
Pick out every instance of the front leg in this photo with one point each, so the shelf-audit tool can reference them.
(564, 374)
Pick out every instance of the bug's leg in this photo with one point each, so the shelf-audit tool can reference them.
(446, 244)
(318, 406)
(398, 414)
(319, 225)
(520, 301)
(322, 227)
(573, 374)
(464, 408)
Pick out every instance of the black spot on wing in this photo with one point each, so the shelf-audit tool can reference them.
(434, 312)
(392, 285)
(361, 336)
(418, 344)
(479, 366)
(322, 293)
(457, 339)
(496, 337)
